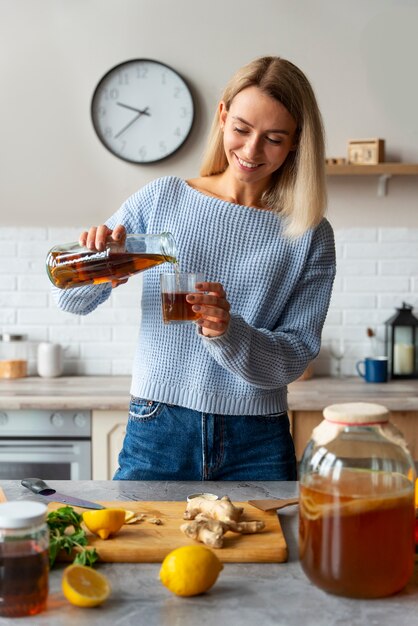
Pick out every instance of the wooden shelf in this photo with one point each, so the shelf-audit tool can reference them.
(391, 169)
(383, 170)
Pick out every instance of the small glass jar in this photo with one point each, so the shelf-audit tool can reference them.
(24, 564)
(13, 356)
(357, 509)
(71, 265)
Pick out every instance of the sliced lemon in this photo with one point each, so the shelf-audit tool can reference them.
(129, 515)
(190, 570)
(83, 586)
(104, 522)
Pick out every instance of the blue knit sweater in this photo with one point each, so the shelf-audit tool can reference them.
(279, 291)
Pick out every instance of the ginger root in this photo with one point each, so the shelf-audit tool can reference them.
(222, 510)
(211, 519)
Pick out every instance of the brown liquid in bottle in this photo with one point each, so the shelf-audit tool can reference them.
(23, 582)
(176, 308)
(67, 270)
(356, 545)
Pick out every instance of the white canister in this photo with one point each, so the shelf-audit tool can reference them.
(50, 360)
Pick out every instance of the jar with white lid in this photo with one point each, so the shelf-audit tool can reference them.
(24, 563)
(13, 355)
(357, 507)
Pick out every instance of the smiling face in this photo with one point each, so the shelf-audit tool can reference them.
(259, 133)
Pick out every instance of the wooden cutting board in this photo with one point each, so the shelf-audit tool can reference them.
(144, 542)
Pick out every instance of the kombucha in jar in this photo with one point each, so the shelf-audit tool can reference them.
(24, 563)
(357, 509)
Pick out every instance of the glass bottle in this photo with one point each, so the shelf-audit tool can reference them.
(357, 509)
(71, 265)
(24, 564)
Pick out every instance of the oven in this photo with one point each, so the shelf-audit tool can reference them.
(53, 445)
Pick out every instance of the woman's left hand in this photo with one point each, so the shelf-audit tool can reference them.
(213, 308)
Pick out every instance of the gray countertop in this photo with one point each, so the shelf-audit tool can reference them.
(245, 594)
(112, 393)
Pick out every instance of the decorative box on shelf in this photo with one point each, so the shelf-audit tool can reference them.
(366, 151)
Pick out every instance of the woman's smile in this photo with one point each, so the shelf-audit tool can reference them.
(246, 165)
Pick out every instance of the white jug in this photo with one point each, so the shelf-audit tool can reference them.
(50, 360)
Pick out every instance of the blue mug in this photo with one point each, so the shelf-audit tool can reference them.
(375, 369)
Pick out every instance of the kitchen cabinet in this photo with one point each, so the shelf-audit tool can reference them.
(303, 422)
(108, 432)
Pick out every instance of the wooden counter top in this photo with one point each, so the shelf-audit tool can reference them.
(66, 392)
(112, 393)
(317, 393)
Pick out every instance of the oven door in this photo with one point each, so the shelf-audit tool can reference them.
(59, 459)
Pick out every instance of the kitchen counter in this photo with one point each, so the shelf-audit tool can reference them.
(245, 594)
(112, 393)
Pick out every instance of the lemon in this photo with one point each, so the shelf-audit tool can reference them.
(129, 515)
(190, 570)
(104, 522)
(83, 586)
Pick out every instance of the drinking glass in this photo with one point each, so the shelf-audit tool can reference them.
(337, 350)
(174, 289)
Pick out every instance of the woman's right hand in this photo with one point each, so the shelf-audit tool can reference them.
(95, 239)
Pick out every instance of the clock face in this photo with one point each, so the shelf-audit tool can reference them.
(142, 111)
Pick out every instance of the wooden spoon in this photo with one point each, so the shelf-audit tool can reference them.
(2, 496)
(273, 503)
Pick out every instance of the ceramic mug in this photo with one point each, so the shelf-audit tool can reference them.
(375, 369)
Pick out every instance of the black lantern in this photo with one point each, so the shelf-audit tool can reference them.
(401, 339)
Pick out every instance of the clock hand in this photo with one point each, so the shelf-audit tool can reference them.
(144, 112)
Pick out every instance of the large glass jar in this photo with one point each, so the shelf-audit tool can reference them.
(24, 565)
(71, 265)
(357, 509)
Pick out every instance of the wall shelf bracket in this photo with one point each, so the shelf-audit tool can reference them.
(382, 185)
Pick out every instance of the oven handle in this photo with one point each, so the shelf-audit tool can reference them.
(40, 445)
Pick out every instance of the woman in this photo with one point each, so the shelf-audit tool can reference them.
(210, 402)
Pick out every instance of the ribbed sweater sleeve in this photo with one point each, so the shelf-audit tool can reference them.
(272, 358)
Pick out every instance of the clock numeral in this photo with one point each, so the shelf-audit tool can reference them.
(163, 147)
(163, 78)
(184, 112)
(101, 111)
(142, 72)
(142, 152)
(108, 132)
(111, 94)
(177, 92)
(123, 78)
(178, 132)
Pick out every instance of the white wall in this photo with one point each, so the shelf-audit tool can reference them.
(56, 177)
(359, 54)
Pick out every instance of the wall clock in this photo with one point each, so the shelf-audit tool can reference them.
(142, 110)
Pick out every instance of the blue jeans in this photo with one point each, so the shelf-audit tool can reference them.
(166, 442)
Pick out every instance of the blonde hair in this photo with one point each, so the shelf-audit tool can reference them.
(297, 189)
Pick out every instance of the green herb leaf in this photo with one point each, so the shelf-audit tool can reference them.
(66, 533)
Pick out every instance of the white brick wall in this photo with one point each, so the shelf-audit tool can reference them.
(377, 271)
(101, 343)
